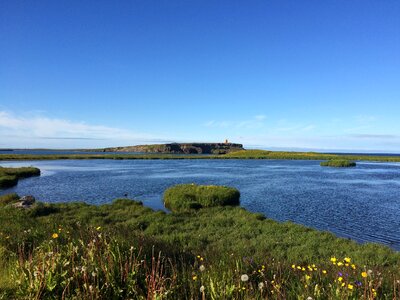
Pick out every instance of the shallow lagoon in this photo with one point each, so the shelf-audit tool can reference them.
(361, 203)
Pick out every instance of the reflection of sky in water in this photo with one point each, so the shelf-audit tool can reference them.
(362, 203)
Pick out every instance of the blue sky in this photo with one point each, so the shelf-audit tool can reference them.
(269, 74)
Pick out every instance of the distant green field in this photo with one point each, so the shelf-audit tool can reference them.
(243, 154)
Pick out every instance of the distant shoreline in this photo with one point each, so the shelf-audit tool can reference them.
(34, 151)
(244, 154)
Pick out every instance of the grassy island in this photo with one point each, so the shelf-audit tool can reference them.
(10, 176)
(124, 250)
(338, 163)
(192, 196)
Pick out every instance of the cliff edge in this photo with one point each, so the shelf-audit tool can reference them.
(181, 148)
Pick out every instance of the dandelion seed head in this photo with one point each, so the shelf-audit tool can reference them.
(244, 277)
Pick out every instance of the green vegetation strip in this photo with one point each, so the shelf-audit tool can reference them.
(244, 154)
(338, 163)
(124, 250)
(192, 196)
(10, 176)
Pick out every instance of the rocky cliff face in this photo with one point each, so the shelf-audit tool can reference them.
(186, 148)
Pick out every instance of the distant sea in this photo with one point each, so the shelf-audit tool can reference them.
(57, 152)
(80, 151)
(365, 153)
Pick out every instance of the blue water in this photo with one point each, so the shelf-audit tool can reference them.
(361, 203)
(58, 152)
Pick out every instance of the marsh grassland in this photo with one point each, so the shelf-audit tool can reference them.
(10, 176)
(124, 250)
(242, 154)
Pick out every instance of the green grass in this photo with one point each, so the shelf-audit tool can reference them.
(192, 196)
(243, 154)
(10, 176)
(263, 154)
(338, 163)
(136, 252)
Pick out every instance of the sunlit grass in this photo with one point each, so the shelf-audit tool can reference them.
(124, 250)
(10, 176)
(338, 163)
(192, 196)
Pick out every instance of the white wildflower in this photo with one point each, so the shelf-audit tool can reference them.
(202, 289)
(202, 268)
(244, 277)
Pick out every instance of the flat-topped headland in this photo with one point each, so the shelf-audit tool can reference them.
(181, 148)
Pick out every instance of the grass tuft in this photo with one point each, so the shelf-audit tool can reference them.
(183, 197)
(338, 163)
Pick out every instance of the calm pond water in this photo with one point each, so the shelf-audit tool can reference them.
(361, 203)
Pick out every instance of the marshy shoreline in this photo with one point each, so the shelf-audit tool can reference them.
(242, 154)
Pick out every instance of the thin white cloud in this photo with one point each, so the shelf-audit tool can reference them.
(39, 127)
(375, 136)
(252, 123)
(285, 126)
(365, 119)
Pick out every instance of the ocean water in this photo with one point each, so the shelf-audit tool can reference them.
(361, 203)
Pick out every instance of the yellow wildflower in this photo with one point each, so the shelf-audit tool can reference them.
(340, 279)
(347, 259)
(54, 235)
(353, 266)
(340, 264)
(98, 228)
(333, 259)
(195, 277)
(350, 286)
(293, 266)
(323, 271)
(364, 274)
(374, 292)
